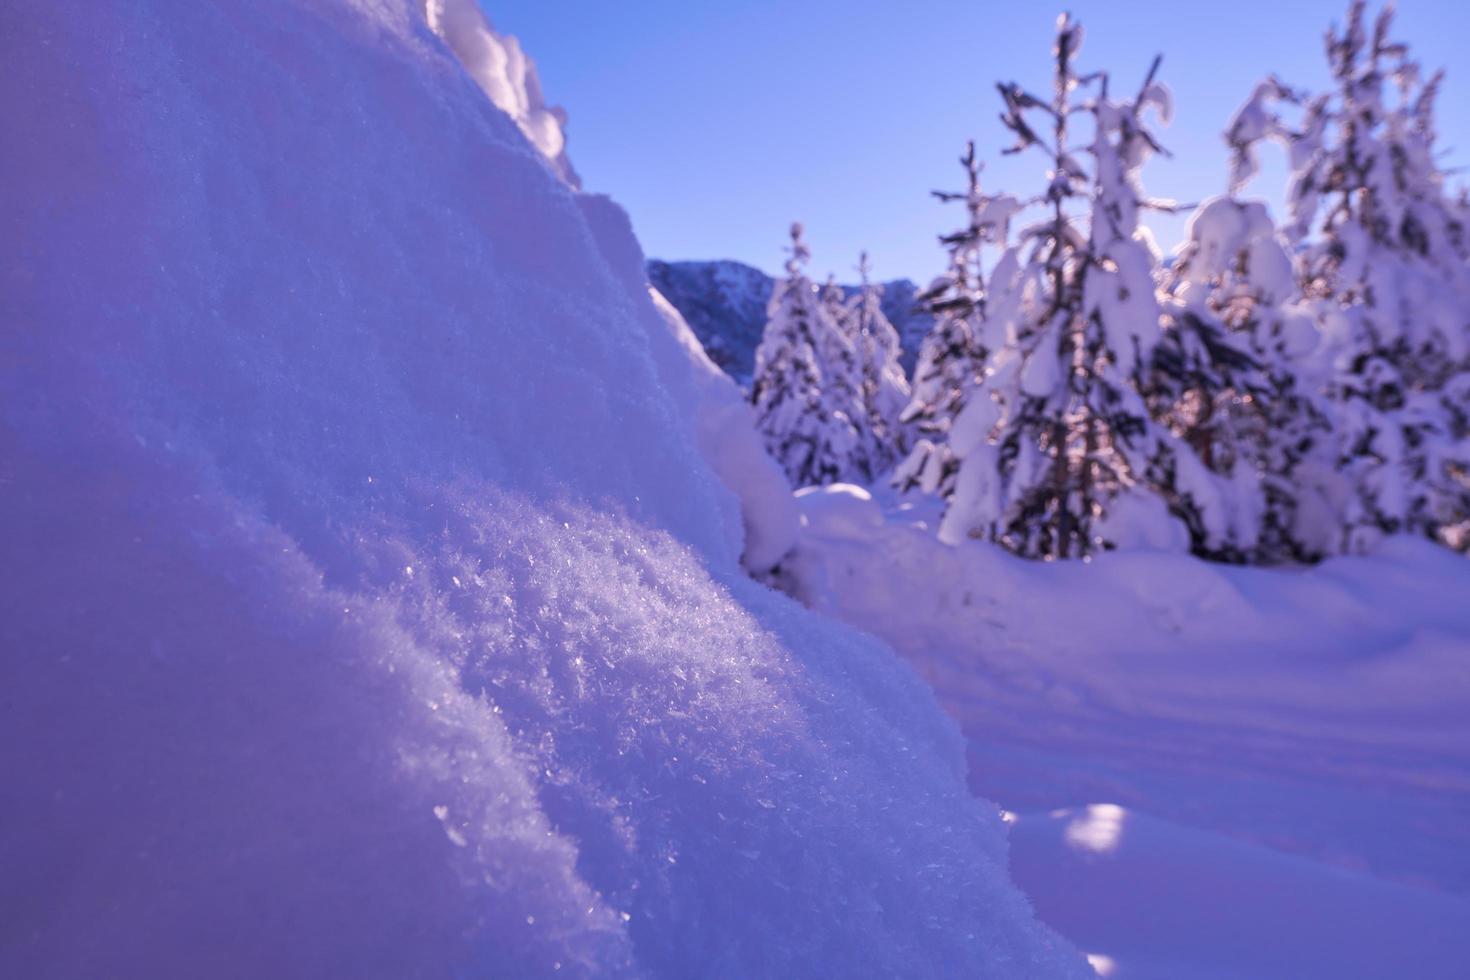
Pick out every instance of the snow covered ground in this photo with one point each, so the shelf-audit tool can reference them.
(1213, 771)
(1157, 900)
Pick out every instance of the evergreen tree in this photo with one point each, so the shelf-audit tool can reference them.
(1226, 381)
(1057, 446)
(843, 359)
(834, 301)
(1383, 252)
(885, 389)
(951, 356)
(807, 384)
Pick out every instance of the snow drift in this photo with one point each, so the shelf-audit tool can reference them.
(367, 607)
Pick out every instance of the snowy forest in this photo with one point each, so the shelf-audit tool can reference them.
(1265, 394)
(407, 574)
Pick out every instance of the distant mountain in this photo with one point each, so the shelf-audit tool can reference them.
(725, 304)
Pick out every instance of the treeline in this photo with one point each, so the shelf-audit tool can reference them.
(1271, 392)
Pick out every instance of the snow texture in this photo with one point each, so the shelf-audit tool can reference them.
(368, 608)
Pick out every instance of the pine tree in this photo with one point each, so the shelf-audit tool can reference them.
(885, 389)
(1057, 446)
(843, 360)
(951, 356)
(1382, 251)
(809, 416)
(834, 301)
(1226, 381)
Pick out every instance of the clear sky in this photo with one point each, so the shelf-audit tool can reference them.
(717, 122)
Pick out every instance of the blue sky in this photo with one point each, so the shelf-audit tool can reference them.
(717, 123)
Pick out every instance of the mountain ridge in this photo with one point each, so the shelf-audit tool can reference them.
(724, 302)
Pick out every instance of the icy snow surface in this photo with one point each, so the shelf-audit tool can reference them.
(367, 607)
(1219, 772)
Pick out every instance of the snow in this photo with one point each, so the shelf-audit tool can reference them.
(506, 75)
(1221, 232)
(809, 385)
(837, 508)
(378, 598)
(369, 606)
(725, 430)
(1213, 770)
(1152, 900)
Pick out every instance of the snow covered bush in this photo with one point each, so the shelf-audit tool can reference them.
(1282, 394)
(725, 430)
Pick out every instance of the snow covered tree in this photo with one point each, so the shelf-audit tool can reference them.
(851, 377)
(1207, 391)
(1056, 446)
(1383, 250)
(1228, 381)
(807, 386)
(951, 356)
(834, 301)
(885, 389)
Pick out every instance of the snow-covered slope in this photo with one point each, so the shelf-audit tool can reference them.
(368, 608)
(725, 304)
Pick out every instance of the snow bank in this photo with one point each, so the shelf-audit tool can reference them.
(368, 608)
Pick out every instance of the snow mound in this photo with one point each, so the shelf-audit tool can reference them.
(368, 606)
